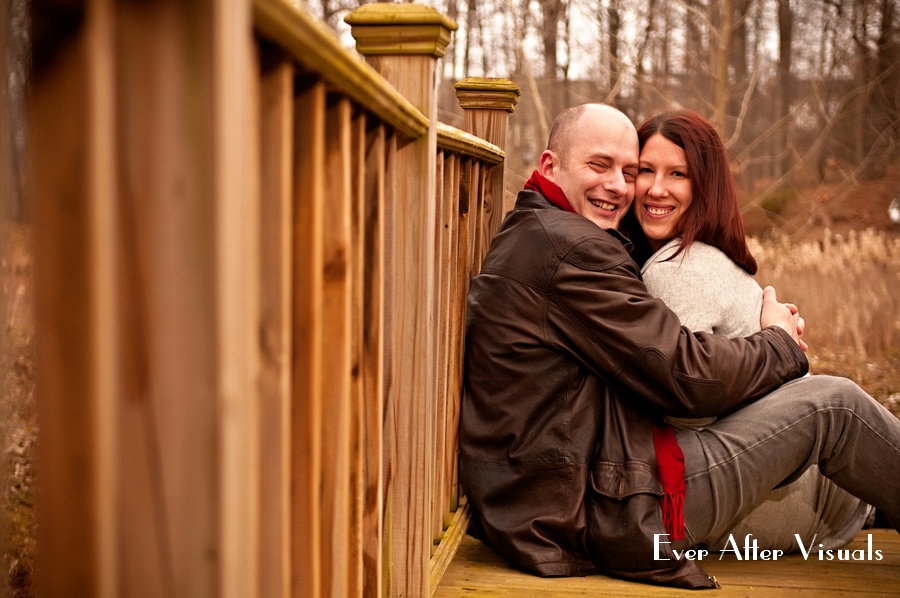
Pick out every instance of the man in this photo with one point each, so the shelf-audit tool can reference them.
(571, 366)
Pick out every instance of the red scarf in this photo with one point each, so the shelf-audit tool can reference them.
(669, 458)
(550, 190)
(670, 469)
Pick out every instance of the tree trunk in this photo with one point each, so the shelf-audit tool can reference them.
(615, 66)
(785, 86)
(723, 53)
(551, 13)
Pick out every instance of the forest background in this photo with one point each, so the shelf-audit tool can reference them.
(805, 93)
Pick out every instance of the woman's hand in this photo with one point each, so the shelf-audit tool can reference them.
(783, 315)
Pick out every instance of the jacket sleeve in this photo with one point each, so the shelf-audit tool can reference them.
(600, 311)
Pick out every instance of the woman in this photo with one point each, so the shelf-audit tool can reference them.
(689, 224)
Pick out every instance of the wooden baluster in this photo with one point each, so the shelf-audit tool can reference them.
(72, 138)
(308, 421)
(276, 127)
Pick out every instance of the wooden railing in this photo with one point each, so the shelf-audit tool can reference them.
(252, 254)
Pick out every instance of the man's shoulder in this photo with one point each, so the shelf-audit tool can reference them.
(563, 235)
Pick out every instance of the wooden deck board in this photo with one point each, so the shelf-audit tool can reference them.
(478, 571)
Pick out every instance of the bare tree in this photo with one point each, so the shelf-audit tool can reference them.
(722, 18)
(551, 15)
(615, 61)
(785, 82)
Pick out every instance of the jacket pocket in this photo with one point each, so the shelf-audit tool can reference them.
(621, 480)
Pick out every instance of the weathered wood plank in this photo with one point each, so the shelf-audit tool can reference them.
(276, 249)
(169, 430)
(377, 153)
(445, 270)
(307, 408)
(450, 543)
(358, 447)
(337, 266)
(455, 315)
(235, 202)
(479, 571)
(471, 194)
(74, 199)
(462, 143)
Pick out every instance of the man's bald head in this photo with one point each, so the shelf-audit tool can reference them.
(567, 124)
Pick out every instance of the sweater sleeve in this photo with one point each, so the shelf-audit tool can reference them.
(707, 291)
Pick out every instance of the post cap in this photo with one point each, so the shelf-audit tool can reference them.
(381, 28)
(487, 93)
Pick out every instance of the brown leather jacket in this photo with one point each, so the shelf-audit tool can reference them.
(569, 362)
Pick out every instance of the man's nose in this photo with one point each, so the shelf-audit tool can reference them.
(616, 183)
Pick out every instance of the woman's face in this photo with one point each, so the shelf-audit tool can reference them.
(663, 190)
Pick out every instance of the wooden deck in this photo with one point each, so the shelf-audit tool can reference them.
(478, 571)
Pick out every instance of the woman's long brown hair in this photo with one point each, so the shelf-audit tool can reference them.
(714, 216)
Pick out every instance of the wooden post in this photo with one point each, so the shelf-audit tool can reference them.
(403, 42)
(487, 103)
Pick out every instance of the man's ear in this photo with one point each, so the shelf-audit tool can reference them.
(548, 165)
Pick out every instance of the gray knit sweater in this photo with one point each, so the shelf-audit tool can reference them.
(708, 291)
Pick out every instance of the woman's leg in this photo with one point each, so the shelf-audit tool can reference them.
(821, 421)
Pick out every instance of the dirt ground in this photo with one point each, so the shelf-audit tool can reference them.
(18, 423)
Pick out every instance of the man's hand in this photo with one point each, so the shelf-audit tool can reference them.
(783, 315)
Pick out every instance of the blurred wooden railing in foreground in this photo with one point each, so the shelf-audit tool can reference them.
(252, 253)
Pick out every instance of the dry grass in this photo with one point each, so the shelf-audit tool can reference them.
(848, 291)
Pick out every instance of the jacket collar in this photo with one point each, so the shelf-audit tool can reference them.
(532, 200)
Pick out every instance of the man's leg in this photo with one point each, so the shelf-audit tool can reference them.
(818, 420)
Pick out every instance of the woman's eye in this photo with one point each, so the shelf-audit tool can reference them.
(644, 170)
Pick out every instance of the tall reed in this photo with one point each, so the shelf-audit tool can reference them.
(847, 288)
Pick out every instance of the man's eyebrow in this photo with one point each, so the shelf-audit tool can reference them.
(606, 156)
(599, 156)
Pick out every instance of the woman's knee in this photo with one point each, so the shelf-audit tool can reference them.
(841, 393)
(826, 392)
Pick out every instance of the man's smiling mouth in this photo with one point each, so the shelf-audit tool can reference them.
(602, 205)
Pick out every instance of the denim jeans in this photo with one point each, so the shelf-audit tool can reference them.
(731, 465)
